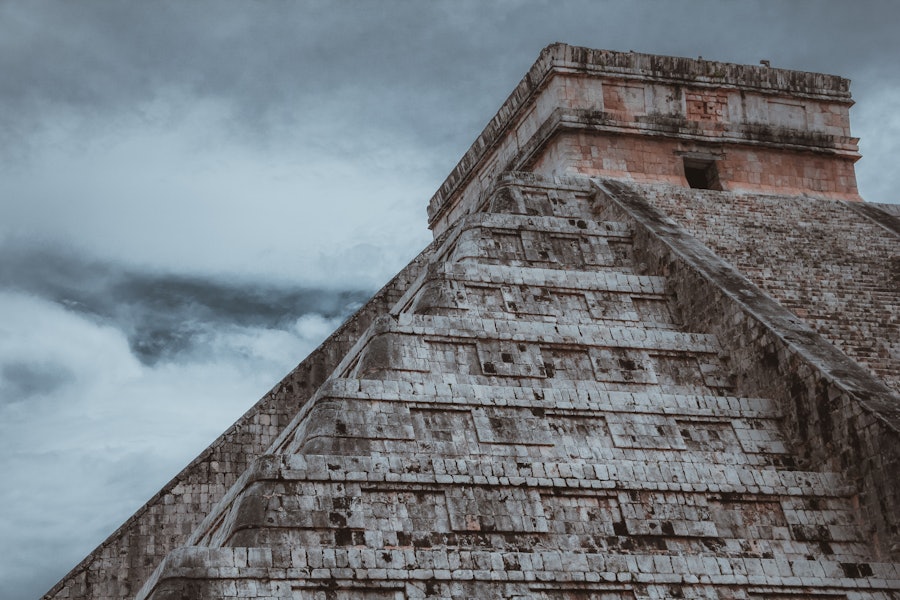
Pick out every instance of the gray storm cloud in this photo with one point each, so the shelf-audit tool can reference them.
(194, 194)
(164, 317)
(106, 391)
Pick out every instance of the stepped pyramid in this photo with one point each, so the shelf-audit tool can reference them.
(653, 352)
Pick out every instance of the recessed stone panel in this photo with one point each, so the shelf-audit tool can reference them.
(667, 514)
(787, 113)
(578, 435)
(609, 305)
(762, 436)
(709, 436)
(512, 426)
(504, 246)
(681, 370)
(749, 519)
(409, 513)
(567, 363)
(582, 515)
(653, 310)
(622, 365)
(510, 359)
(624, 98)
(497, 510)
(454, 357)
(446, 431)
(645, 431)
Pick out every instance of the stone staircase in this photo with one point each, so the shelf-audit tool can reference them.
(532, 421)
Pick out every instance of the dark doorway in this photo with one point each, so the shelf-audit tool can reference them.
(702, 174)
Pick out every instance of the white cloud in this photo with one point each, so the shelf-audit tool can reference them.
(314, 327)
(80, 456)
(187, 199)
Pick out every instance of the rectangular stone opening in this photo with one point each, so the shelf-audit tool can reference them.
(702, 174)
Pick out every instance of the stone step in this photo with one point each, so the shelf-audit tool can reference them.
(625, 283)
(604, 298)
(613, 383)
(371, 569)
(548, 242)
(461, 444)
(687, 405)
(537, 198)
(313, 527)
(633, 474)
(470, 350)
(374, 501)
(623, 336)
(348, 416)
(548, 224)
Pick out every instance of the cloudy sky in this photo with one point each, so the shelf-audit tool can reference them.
(194, 194)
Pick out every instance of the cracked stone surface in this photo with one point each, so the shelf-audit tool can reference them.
(532, 419)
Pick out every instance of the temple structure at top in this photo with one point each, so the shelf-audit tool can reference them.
(653, 352)
(661, 119)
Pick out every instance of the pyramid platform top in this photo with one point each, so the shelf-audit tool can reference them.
(706, 106)
(695, 71)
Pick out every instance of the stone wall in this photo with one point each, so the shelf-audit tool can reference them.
(660, 160)
(837, 269)
(838, 416)
(534, 419)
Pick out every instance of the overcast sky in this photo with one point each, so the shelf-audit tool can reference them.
(194, 194)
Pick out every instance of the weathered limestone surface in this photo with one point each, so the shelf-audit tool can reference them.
(838, 414)
(745, 169)
(596, 383)
(834, 267)
(534, 419)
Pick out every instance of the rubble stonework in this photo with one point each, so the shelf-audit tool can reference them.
(597, 382)
(822, 260)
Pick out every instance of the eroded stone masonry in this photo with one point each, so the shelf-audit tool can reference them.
(653, 352)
